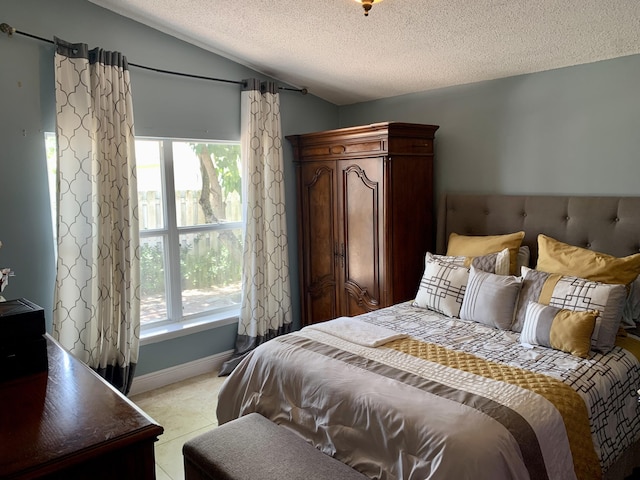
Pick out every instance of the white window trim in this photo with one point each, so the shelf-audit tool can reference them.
(159, 333)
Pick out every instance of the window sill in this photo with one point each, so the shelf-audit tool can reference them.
(161, 333)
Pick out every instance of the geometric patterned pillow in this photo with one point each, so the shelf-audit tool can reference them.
(578, 295)
(442, 286)
(559, 329)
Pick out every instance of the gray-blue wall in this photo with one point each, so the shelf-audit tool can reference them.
(568, 131)
(572, 130)
(164, 105)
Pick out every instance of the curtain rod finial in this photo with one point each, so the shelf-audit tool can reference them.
(8, 29)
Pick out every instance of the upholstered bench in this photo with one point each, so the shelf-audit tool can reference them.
(254, 448)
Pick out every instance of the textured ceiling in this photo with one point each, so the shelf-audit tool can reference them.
(403, 46)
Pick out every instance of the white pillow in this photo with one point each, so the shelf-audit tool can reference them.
(442, 286)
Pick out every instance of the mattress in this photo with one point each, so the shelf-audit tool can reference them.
(442, 398)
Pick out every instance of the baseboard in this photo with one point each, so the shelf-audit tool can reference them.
(161, 378)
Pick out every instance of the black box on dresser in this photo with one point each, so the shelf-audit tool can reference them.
(23, 348)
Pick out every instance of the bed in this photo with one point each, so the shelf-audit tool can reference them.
(409, 392)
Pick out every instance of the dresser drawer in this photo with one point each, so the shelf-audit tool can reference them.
(411, 145)
(342, 149)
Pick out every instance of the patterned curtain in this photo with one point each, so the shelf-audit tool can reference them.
(266, 298)
(96, 299)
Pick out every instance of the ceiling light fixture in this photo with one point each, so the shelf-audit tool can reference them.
(366, 4)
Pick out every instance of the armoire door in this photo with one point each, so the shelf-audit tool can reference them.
(361, 222)
(320, 261)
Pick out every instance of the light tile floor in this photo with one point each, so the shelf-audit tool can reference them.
(185, 409)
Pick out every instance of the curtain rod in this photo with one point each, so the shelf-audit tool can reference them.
(9, 30)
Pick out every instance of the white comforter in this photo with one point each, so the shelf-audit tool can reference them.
(392, 415)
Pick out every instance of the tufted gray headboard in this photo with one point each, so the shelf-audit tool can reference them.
(605, 224)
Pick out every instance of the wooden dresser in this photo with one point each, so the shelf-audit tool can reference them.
(365, 216)
(68, 423)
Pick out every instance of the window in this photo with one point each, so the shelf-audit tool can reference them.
(50, 150)
(190, 212)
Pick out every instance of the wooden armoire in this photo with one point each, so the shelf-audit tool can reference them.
(365, 216)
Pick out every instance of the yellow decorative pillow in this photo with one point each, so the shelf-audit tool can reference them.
(555, 256)
(475, 245)
(559, 329)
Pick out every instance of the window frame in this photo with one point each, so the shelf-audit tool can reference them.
(176, 323)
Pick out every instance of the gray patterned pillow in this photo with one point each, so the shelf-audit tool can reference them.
(493, 263)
